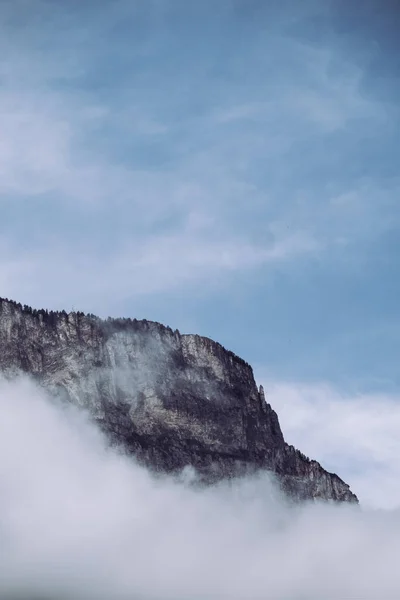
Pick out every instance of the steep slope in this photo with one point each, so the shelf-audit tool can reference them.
(172, 400)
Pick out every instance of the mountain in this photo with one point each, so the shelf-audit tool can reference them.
(172, 400)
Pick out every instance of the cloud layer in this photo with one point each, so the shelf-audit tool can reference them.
(79, 521)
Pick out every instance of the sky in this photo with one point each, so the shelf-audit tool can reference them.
(227, 168)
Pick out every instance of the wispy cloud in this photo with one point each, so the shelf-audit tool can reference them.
(85, 276)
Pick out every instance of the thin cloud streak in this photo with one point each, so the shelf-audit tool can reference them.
(153, 265)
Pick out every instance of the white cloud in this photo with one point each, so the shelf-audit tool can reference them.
(43, 151)
(327, 96)
(34, 145)
(78, 521)
(82, 276)
(355, 435)
(332, 94)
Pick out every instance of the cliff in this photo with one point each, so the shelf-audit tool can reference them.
(172, 400)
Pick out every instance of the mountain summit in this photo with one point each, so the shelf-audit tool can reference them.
(171, 400)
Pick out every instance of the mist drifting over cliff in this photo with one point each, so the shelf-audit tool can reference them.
(80, 521)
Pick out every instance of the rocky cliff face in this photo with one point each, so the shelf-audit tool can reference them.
(172, 400)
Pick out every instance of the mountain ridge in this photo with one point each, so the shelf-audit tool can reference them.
(173, 400)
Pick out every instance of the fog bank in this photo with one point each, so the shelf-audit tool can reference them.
(79, 521)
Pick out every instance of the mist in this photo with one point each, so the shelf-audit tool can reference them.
(79, 520)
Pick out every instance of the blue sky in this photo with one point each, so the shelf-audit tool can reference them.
(228, 168)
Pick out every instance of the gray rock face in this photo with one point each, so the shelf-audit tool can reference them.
(172, 400)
